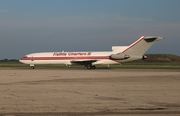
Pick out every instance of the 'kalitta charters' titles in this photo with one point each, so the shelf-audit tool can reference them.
(72, 54)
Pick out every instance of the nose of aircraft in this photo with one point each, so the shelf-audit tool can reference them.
(22, 60)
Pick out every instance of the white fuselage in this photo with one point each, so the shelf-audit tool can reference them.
(66, 58)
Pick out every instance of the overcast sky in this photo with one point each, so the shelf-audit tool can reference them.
(28, 26)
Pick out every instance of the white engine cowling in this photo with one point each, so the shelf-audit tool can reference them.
(119, 56)
(144, 57)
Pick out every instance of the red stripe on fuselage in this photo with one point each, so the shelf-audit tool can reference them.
(65, 58)
(75, 58)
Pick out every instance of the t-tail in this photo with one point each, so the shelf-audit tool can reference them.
(136, 50)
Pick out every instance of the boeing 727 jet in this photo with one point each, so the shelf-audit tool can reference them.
(118, 55)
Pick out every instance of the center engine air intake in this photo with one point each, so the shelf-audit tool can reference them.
(144, 57)
(119, 56)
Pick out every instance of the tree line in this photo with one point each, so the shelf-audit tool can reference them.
(9, 60)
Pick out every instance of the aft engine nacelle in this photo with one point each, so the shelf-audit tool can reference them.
(144, 57)
(119, 56)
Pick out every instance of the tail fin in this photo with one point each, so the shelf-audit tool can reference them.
(141, 45)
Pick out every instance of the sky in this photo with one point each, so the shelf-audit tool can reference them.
(28, 26)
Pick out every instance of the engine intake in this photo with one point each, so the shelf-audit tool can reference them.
(144, 57)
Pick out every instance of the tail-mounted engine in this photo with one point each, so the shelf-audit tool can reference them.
(119, 56)
(144, 57)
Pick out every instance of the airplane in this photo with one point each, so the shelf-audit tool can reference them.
(118, 55)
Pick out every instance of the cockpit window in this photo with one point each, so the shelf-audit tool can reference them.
(25, 57)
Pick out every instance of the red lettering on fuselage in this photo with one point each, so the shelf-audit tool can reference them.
(59, 54)
(79, 53)
(72, 54)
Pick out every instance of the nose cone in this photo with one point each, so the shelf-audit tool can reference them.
(22, 60)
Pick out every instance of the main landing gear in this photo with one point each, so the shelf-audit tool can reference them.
(90, 67)
(32, 66)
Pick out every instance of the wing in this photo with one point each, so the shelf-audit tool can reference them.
(83, 62)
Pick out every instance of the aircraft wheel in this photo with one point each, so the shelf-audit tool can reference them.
(32, 67)
(93, 67)
(89, 66)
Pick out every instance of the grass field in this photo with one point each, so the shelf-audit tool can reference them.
(131, 65)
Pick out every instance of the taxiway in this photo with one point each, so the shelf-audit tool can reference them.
(89, 92)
